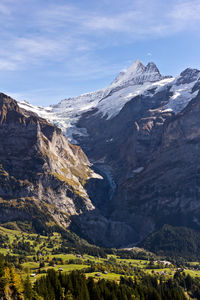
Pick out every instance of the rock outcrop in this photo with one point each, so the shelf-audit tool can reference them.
(41, 174)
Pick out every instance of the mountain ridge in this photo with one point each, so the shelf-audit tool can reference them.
(67, 112)
(143, 139)
(109, 101)
(39, 170)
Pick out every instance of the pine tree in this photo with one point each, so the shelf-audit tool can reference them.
(28, 292)
(1, 266)
(3, 280)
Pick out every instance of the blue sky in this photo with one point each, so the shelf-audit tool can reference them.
(54, 49)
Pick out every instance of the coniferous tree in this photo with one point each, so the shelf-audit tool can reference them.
(2, 278)
(28, 292)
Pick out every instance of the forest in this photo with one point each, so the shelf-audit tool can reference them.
(57, 285)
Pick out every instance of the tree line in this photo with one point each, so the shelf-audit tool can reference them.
(75, 286)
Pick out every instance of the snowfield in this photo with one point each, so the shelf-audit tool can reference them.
(108, 102)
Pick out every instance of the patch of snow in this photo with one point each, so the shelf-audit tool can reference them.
(138, 170)
(111, 106)
(109, 140)
(182, 95)
(162, 84)
(167, 110)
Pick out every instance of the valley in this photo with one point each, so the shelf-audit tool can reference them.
(118, 206)
(99, 150)
(141, 133)
(36, 256)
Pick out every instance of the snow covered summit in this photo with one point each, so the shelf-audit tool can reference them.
(138, 79)
(137, 73)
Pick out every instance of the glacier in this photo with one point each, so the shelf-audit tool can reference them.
(108, 102)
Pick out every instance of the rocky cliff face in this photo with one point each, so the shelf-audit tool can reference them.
(151, 149)
(40, 172)
(142, 135)
(167, 191)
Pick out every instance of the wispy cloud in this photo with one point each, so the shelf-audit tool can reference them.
(38, 33)
(186, 12)
(61, 31)
(185, 16)
(4, 9)
(7, 65)
(140, 19)
(39, 46)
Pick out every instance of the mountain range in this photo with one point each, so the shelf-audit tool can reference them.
(128, 164)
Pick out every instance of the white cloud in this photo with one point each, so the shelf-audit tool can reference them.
(186, 11)
(37, 46)
(19, 53)
(140, 19)
(61, 32)
(7, 65)
(4, 9)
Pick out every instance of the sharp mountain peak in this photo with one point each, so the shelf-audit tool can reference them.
(138, 73)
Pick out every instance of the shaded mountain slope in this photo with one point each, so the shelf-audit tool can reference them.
(174, 241)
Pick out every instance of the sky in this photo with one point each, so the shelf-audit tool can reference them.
(54, 49)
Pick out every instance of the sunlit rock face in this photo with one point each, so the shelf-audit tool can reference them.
(39, 168)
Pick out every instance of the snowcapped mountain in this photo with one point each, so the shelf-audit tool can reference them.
(108, 102)
(185, 87)
(142, 135)
(137, 73)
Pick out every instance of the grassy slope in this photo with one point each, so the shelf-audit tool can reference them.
(84, 261)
